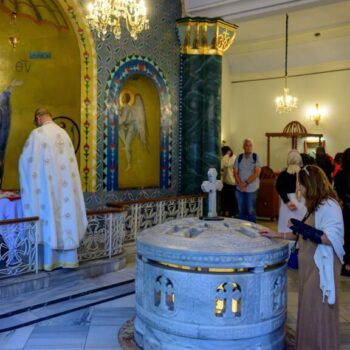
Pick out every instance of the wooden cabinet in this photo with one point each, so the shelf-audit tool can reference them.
(267, 204)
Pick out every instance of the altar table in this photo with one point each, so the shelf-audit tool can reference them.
(10, 205)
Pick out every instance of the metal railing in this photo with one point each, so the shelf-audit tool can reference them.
(18, 246)
(107, 230)
(147, 213)
(104, 236)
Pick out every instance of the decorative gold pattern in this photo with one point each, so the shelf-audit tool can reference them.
(59, 144)
(205, 36)
(60, 264)
(224, 40)
(88, 100)
(205, 269)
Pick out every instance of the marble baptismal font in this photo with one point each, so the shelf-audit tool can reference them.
(210, 285)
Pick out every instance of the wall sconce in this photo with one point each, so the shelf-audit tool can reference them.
(315, 113)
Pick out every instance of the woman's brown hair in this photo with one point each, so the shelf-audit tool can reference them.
(317, 187)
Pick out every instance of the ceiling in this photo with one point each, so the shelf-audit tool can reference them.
(319, 34)
(37, 10)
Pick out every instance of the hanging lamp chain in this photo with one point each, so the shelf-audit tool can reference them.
(286, 102)
(286, 49)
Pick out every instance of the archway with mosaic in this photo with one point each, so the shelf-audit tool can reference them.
(137, 128)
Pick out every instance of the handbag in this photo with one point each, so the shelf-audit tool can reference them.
(293, 257)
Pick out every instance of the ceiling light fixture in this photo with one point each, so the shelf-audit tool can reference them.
(105, 16)
(286, 102)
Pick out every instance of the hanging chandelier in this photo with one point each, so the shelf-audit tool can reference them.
(105, 16)
(286, 102)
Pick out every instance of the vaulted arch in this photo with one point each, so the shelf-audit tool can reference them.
(88, 116)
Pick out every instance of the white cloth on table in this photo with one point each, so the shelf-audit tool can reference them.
(10, 209)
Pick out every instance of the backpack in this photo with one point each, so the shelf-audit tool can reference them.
(240, 157)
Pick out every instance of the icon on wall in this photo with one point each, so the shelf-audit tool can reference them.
(310, 146)
(72, 129)
(132, 122)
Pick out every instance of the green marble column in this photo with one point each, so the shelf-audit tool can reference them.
(201, 119)
(203, 42)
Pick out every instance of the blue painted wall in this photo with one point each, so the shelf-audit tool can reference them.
(160, 45)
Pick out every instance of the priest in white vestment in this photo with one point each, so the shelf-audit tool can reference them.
(51, 189)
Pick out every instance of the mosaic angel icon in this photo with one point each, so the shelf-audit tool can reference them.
(132, 122)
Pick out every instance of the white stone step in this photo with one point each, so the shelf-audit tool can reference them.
(52, 302)
(11, 287)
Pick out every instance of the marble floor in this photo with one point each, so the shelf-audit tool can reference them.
(96, 327)
(93, 328)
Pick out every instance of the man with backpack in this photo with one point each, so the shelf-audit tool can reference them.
(247, 170)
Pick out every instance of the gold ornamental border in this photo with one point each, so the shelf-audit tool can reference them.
(88, 116)
(197, 40)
